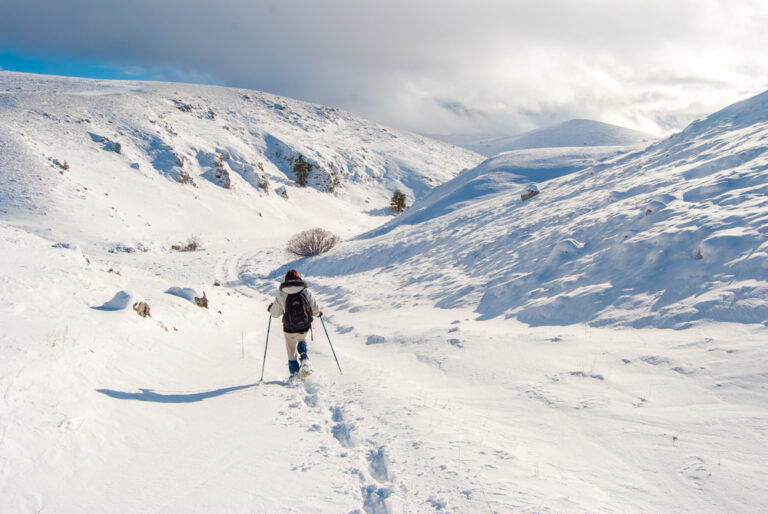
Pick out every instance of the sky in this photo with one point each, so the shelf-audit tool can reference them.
(430, 66)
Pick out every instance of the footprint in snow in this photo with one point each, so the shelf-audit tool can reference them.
(376, 499)
(695, 469)
(342, 430)
(378, 465)
(311, 400)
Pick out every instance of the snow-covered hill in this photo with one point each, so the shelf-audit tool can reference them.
(196, 158)
(447, 402)
(516, 170)
(567, 133)
(664, 237)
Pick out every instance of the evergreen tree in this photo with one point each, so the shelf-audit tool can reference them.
(397, 203)
(301, 168)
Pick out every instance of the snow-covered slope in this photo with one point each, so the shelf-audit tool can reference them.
(439, 409)
(664, 237)
(196, 158)
(568, 133)
(516, 169)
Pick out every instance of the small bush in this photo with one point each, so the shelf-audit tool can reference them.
(221, 174)
(192, 245)
(61, 165)
(312, 242)
(185, 178)
(397, 203)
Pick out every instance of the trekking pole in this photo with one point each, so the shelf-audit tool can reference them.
(330, 343)
(269, 324)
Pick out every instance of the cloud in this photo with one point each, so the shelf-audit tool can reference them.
(431, 65)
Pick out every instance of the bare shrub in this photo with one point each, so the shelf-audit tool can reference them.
(185, 178)
(312, 242)
(192, 245)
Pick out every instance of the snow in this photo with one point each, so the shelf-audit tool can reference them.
(683, 221)
(571, 133)
(498, 355)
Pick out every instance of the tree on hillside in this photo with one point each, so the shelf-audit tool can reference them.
(301, 168)
(397, 203)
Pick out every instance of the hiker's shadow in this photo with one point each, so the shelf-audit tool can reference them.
(148, 395)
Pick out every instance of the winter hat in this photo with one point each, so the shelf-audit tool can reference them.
(292, 275)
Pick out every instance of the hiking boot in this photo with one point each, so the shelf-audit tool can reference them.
(305, 369)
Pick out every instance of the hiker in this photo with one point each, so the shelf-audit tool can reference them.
(297, 305)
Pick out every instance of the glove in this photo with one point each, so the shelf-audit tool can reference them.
(269, 309)
(320, 314)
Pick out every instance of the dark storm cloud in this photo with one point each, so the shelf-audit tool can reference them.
(426, 65)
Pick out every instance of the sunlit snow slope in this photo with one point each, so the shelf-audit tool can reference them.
(445, 403)
(662, 237)
(197, 158)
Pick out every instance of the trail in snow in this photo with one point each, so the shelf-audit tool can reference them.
(439, 409)
(414, 389)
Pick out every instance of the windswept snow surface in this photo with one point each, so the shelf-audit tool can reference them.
(664, 237)
(443, 406)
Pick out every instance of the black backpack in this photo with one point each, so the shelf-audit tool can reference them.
(298, 313)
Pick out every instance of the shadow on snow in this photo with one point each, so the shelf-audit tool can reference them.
(148, 395)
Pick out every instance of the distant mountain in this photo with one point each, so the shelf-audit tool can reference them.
(566, 134)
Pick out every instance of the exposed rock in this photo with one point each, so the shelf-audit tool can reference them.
(201, 301)
(142, 309)
(529, 192)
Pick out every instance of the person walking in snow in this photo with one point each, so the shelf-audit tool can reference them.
(297, 305)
